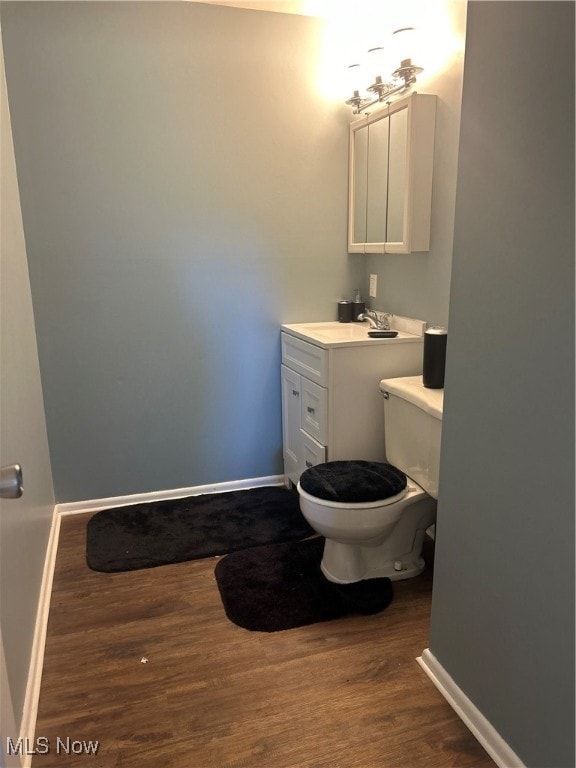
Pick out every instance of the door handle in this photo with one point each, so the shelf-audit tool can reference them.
(11, 486)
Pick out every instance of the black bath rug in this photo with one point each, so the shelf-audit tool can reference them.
(173, 531)
(281, 586)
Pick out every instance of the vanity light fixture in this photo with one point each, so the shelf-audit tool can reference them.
(401, 78)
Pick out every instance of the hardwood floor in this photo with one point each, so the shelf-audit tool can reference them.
(341, 694)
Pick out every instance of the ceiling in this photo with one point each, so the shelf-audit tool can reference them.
(301, 7)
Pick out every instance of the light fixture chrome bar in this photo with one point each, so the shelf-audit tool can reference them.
(359, 104)
(402, 78)
(406, 72)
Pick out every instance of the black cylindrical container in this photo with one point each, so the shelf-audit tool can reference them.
(434, 362)
(345, 311)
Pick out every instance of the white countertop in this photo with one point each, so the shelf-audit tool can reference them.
(335, 334)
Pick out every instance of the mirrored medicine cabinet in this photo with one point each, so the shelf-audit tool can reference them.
(390, 177)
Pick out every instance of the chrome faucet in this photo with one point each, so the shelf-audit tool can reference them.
(380, 322)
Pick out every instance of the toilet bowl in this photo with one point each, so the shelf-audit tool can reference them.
(382, 532)
(371, 539)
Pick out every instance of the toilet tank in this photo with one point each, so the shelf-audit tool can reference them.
(413, 428)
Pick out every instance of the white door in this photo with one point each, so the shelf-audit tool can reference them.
(24, 524)
(8, 733)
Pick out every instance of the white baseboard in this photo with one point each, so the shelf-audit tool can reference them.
(95, 505)
(30, 711)
(483, 730)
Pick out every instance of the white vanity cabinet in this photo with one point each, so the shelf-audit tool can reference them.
(390, 177)
(332, 406)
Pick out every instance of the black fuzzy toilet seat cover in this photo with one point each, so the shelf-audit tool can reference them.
(353, 482)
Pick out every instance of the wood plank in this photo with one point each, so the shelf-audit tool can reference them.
(338, 694)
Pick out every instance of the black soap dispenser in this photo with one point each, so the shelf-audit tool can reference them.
(358, 305)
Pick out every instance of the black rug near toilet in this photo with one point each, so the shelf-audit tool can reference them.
(281, 586)
(177, 530)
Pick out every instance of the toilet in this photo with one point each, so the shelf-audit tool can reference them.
(374, 515)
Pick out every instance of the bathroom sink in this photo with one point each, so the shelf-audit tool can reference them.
(337, 331)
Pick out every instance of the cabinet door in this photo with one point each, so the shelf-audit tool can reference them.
(291, 423)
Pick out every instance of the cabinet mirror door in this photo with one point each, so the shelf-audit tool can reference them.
(369, 183)
(397, 164)
(359, 184)
(377, 194)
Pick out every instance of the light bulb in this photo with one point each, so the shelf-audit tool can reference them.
(354, 83)
(404, 44)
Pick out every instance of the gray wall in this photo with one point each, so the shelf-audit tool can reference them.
(24, 522)
(503, 603)
(184, 191)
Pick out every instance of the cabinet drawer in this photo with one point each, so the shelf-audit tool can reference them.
(314, 410)
(305, 358)
(312, 452)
